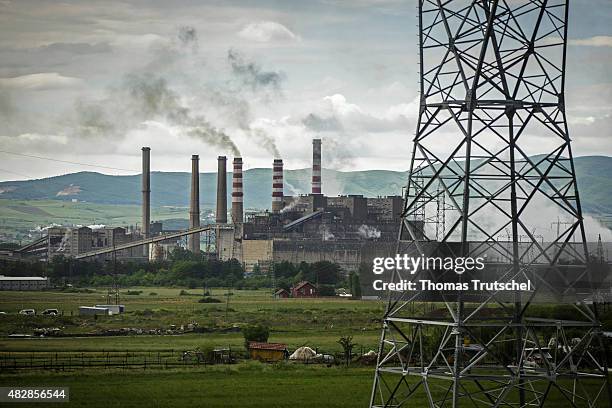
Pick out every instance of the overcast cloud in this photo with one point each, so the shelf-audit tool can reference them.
(93, 81)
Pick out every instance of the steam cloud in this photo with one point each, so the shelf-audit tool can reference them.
(368, 232)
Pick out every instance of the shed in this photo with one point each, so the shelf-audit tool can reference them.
(304, 289)
(281, 294)
(268, 352)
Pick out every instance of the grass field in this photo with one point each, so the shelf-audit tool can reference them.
(315, 322)
(17, 217)
(249, 384)
(318, 323)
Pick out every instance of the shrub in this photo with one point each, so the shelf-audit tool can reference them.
(133, 292)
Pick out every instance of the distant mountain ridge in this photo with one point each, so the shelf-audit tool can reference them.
(594, 175)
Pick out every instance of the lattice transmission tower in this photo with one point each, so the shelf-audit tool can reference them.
(492, 146)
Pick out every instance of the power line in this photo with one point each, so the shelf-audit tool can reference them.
(66, 161)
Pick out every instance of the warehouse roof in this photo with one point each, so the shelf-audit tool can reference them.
(21, 278)
(256, 345)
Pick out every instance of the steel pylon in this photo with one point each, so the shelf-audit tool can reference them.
(492, 145)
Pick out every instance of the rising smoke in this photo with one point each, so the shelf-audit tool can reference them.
(152, 96)
(143, 96)
(188, 37)
(251, 75)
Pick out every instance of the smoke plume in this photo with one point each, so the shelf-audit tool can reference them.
(251, 75)
(153, 96)
(188, 36)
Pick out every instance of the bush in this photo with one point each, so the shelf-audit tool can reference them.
(255, 332)
(209, 300)
(133, 292)
(153, 294)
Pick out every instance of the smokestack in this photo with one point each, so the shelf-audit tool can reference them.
(221, 190)
(237, 194)
(193, 240)
(277, 185)
(146, 196)
(316, 166)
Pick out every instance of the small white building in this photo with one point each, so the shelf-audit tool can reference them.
(23, 282)
(114, 309)
(90, 311)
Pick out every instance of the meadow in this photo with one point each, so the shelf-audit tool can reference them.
(318, 323)
(153, 374)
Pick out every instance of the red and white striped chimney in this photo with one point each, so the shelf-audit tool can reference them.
(237, 193)
(277, 185)
(316, 166)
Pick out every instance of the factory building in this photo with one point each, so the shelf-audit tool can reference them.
(73, 241)
(311, 227)
(23, 283)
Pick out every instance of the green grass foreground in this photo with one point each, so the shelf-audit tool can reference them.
(243, 385)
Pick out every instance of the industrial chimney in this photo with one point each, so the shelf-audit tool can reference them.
(316, 166)
(237, 194)
(221, 217)
(193, 240)
(146, 196)
(277, 185)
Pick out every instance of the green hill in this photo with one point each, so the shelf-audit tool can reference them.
(172, 189)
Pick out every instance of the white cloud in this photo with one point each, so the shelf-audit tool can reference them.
(41, 81)
(581, 120)
(267, 31)
(353, 117)
(597, 41)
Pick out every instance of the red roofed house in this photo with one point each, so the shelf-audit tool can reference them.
(281, 294)
(304, 289)
(267, 352)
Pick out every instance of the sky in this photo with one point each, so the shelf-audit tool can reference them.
(91, 82)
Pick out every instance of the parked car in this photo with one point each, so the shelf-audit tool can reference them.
(29, 312)
(50, 312)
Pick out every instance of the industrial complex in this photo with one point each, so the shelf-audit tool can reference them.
(346, 229)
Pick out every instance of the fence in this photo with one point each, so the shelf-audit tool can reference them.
(66, 361)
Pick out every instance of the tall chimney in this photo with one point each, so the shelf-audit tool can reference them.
(221, 217)
(237, 194)
(193, 240)
(316, 166)
(146, 196)
(277, 186)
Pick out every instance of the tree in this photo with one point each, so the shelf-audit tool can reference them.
(325, 272)
(347, 346)
(255, 332)
(355, 285)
